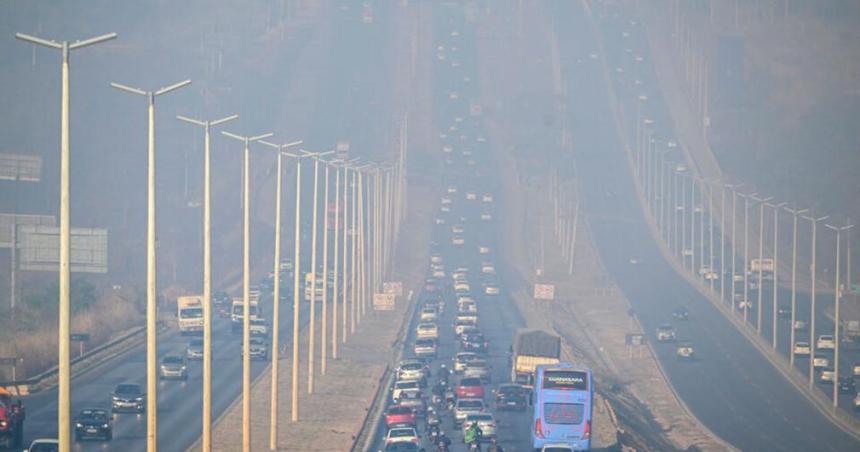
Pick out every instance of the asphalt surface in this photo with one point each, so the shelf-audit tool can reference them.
(730, 387)
(350, 105)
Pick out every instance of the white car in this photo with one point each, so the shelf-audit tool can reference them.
(457, 229)
(424, 347)
(801, 325)
(488, 197)
(465, 407)
(436, 259)
(802, 348)
(820, 362)
(461, 359)
(855, 370)
(827, 375)
(483, 250)
(488, 268)
(427, 330)
(857, 401)
(452, 189)
(491, 289)
(462, 286)
(402, 435)
(458, 240)
(43, 445)
(485, 421)
(446, 200)
(403, 386)
(468, 307)
(470, 195)
(447, 149)
(825, 342)
(428, 315)
(486, 216)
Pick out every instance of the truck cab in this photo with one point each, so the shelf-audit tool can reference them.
(237, 313)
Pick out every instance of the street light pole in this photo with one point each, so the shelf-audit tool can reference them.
(794, 214)
(760, 286)
(812, 315)
(206, 440)
(246, 285)
(775, 301)
(837, 297)
(276, 295)
(64, 388)
(746, 253)
(151, 293)
(323, 322)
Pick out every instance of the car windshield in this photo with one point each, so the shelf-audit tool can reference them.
(172, 360)
(472, 404)
(44, 447)
(93, 415)
(257, 341)
(470, 382)
(509, 389)
(407, 385)
(465, 357)
(128, 389)
(399, 410)
(480, 417)
(557, 449)
(424, 343)
(427, 326)
(476, 365)
(401, 447)
(196, 343)
(411, 366)
(401, 432)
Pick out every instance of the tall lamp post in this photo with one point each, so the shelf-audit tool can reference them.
(812, 291)
(760, 285)
(151, 294)
(64, 328)
(207, 277)
(794, 214)
(837, 297)
(773, 325)
(276, 295)
(246, 286)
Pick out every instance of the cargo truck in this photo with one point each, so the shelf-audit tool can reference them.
(530, 349)
(189, 313)
(237, 313)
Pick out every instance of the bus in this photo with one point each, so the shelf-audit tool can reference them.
(562, 402)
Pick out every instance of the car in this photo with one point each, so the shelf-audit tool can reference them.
(411, 369)
(128, 397)
(470, 387)
(401, 387)
(484, 249)
(259, 348)
(402, 434)
(488, 268)
(436, 258)
(399, 416)
(413, 400)
(173, 366)
(846, 384)
(471, 195)
(474, 342)
(465, 407)
(427, 330)
(855, 369)
(801, 325)
(801, 348)
(93, 423)
(425, 347)
(665, 333)
(488, 197)
(462, 287)
(445, 200)
(511, 397)
(462, 323)
(477, 368)
(486, 216)
(486, 422)
(460, 360)
(438, 272)
(259, 327)
(465, 305)
(784, 312)
(825, 342)
(857, 401)
(44, 445)
(428, 314)
(458, 240)
(827, 375)
(457, 229)
(558, 447)
(194, 350)
(820, 361)
(452, 189)
(491, 289)
(681, 313)
(685, 351)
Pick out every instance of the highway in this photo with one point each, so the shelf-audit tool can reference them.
(340, 110)
(730, 386)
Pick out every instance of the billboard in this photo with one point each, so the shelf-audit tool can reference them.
(40, 249)
(393, 287)
(8, 220)
(383, 301)
(18, 167)
(544, 292)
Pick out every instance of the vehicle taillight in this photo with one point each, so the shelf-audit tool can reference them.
(538, 429)
(587, 433)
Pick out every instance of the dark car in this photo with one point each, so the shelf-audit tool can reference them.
(681, 314)
(846, 384)
(128, 397)
(93, 423)
(511, 397)
(474, 342)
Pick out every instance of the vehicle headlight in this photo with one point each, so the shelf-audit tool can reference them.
(139, 399)
(183, 368)
(105, 425)
(115, 399)
(79, 425)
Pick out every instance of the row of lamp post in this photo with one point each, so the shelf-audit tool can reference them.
(387, 201)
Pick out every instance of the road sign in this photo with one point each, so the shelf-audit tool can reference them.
(544, 292)
(8, 361)
(20, 167)
(635, 339)
(79, 337)
(383, 301)
(40, 249)
(393, 287)
(8, 220)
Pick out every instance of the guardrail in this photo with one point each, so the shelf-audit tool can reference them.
(42, 381)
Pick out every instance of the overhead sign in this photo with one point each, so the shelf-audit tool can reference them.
(544, 292)
(18, 167)
(9, 220)
(634, 339)
(393, 287)
(383, 301)
(40, 249)
(8, 361)
(79, 337)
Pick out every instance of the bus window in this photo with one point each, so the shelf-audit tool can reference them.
(563, 413)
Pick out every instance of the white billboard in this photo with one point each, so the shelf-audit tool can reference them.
(40, 249)
(8, 220)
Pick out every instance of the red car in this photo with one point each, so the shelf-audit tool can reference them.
(399, 416)
(470, 388)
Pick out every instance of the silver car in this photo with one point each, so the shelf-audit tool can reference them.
(425, 347)
(477, 368)
(486, 422)
(173, 366)
(411, 369)
(465, 407)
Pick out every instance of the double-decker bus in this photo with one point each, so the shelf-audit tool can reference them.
(562, 402)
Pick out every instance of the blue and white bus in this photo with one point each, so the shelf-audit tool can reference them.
(562, 402)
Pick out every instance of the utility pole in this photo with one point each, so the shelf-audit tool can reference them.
(837, 297)
(64, 387)
(246, 284)
(760, 290)
(773, 325)
(206, 440)
(151, 287)
(794, 214)
(812, 315)
(276, 311)
(323, 324)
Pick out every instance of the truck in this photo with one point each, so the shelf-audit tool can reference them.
(189, 314)
(766, 267)
(530, 349)
(237, 313)
(12, 414)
